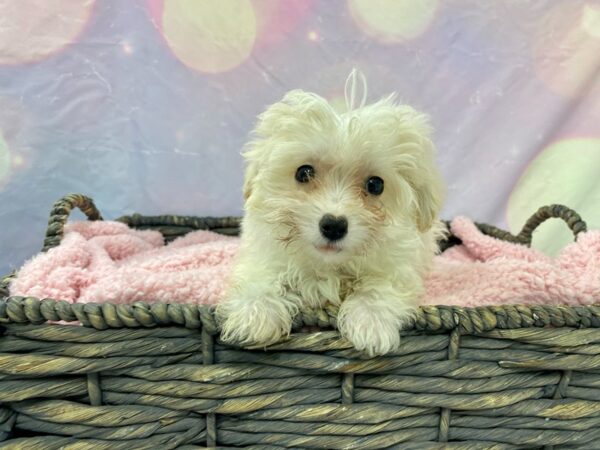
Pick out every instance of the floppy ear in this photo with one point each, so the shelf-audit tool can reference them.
(429, 196)
(288, 119)
(420, 170)
(249, 178)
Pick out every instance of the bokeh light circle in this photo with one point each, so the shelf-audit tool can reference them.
(566, 172)
(566, 46)
(18, 161)
(313, 36)
(391, 21)
(277, 19)
(31, 30)
(4, 160)
(210, 36)
(590, 20)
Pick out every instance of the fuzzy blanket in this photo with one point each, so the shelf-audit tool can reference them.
(108, 262)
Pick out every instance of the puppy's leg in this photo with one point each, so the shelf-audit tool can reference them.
(255, 310)
(372, 316)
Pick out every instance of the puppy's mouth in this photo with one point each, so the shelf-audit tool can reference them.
(329, 248)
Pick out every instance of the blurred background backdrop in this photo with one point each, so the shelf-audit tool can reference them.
(144, 105)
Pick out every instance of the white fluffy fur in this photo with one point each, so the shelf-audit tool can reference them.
(375, 276)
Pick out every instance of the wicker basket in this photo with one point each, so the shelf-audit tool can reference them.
(155, 376)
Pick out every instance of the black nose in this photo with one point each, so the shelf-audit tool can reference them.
(333, 228)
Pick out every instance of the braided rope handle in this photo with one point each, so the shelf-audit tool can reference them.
(61, 210)
(570, 217)
(60, 214)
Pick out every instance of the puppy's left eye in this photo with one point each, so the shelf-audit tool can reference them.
(305, 173)
(374, 186)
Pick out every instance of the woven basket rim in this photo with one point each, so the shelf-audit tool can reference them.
(142, 314)
(440, 318)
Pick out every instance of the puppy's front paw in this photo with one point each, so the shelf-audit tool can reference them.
(378, 340)
(253, 321)
(371, 328)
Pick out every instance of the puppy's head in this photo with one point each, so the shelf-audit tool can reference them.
(331, 185)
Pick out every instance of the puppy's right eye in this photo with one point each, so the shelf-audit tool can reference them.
(305, 173)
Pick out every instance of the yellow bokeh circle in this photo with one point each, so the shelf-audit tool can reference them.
(566, 172)
(31, 30)
(391, 21)
(210, 36)
(590, 21)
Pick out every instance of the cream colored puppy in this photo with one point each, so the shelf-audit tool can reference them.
(340, 208)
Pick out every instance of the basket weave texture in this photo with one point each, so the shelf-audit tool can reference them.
(156, 376)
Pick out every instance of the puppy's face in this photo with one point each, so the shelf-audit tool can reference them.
(333, 186)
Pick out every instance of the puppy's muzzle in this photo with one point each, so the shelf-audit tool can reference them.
(333, 228)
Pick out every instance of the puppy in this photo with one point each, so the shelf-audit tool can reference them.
(340, 209)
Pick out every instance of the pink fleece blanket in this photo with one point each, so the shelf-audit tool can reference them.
(108, 262)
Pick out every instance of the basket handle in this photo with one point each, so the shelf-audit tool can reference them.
(60, 214)
(570, 217)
